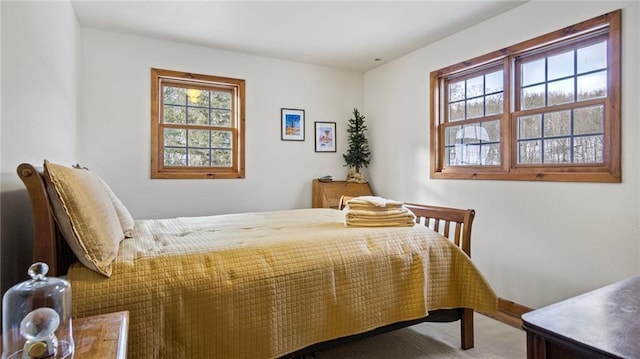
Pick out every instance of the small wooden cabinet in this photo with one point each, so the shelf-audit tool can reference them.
(327, 194)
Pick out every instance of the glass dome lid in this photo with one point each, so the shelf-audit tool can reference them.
(36, 317)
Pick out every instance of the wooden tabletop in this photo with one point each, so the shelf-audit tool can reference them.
(101, 336)
(606, 320)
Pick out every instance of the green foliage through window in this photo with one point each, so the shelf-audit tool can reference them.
(197, 127)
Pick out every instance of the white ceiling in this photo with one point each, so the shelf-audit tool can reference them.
(341, 34)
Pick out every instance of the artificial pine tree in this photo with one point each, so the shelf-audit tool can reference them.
(358, 154)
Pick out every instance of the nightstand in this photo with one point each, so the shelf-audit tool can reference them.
(101, 336)
(327, 194)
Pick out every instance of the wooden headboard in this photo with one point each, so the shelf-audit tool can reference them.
(49, 245)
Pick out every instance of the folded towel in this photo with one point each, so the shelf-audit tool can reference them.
(399, 221)
(373, 201)
(375, 213)
(371, 216)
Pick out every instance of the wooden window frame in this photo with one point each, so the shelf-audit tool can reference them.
(607, 171)
(236, 87)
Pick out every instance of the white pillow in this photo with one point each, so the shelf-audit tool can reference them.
(124, 216)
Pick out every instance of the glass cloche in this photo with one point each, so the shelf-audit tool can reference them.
(36, 317)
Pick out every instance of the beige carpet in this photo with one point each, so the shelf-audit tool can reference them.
(493, 339)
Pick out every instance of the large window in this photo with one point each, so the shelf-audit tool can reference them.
(545, 109)
(197, 126)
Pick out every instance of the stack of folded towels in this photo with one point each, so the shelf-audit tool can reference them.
(374, 211)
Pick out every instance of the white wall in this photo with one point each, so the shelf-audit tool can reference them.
(535, 242)
(115, 125)
(40, 69)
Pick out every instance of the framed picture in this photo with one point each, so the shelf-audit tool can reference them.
(325, 136)
(292, 124)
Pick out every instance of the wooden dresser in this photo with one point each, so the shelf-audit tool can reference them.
(600, 324)
(327, 194)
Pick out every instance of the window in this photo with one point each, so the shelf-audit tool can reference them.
(546, 109)
(197, 126)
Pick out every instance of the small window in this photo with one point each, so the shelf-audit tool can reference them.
(197, 126)
(545, 109)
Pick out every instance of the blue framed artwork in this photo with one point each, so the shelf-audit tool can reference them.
(292, 124)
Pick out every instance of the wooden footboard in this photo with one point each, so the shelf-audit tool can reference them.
(49, 246)
(453, 223)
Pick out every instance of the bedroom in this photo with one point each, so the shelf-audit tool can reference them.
(537, 242)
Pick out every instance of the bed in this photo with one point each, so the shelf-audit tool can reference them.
(278, 284)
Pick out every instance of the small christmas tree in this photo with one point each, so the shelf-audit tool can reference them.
(358, 154)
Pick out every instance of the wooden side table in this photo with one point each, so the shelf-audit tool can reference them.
(327, 194)
(101, 336)
(599, 324)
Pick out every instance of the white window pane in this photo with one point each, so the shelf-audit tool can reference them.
(557, 123)
(450, 156)
(560, 92)
(492, 129)
(530, 152)
(592, 58)
(494, 104)
(456, 91)
(493, 82)
(475, 87)
(592, 86)
(588, 120)
(450, 135)
(492, 155)
(475, 108)
(456, 111)
(530, 127)
(588, 149)
(472, 134)
(557, 150)
(468, 155)
(559, 66)
(532, 72)
(532, 97)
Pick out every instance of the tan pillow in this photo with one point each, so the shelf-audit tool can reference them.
(86, 215)
(124, 216)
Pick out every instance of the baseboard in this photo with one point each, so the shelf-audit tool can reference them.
(509, 313)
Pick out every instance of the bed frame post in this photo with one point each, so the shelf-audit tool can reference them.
(466, 329)
(44, 240)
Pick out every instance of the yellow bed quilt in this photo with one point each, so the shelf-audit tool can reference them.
(261, 285)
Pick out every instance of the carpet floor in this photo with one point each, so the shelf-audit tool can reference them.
(493, 340)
